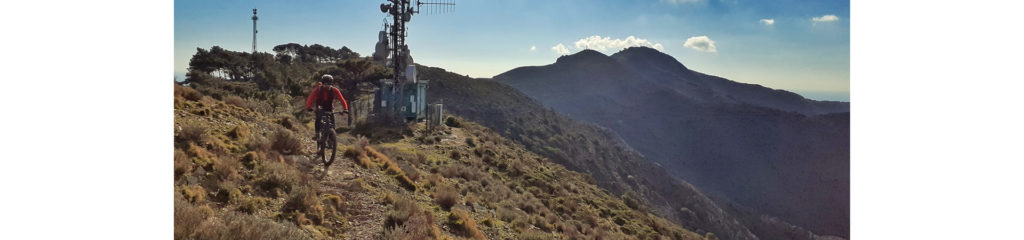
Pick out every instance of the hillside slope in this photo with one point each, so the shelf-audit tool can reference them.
(768, 151)
(243, 170)
(581, 147)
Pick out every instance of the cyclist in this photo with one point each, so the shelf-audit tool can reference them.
(323, 96)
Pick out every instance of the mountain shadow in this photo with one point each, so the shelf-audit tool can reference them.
(764, 151)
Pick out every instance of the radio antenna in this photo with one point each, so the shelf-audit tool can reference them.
(393, 90)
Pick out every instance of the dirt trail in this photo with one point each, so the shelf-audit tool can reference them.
(361, 206)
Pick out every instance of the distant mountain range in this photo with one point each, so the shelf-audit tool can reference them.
(766, 151)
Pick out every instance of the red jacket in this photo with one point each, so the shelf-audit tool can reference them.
(332, 92)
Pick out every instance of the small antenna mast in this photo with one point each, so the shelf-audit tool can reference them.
(254, 18)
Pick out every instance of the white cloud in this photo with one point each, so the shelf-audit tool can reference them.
(701, 43)
(560, 49)
(533, 48)
(826, 18)
(768, 21)
(607, 43)
(679, 1)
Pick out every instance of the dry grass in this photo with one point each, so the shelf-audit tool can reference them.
(463, 224)
(446, 197)
(250, 160)
(276, 178)
(193, 193)
(227, 168)
(257, 143)
(286, 142)
(334, 201)
(537, 235)
(406, 221)
(187, 93)
(306, 204)
(358, 155)
(200, 156)
(188, 217)
(244, 226)
(181, 163)
(236, 101)
(365, 161)
(392, 168)
(240, 132)
(461, 171)
(192, 133)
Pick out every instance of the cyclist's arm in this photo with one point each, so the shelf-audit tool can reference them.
(344, 103)
(309, 101)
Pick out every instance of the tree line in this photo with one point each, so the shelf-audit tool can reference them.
(292, 69)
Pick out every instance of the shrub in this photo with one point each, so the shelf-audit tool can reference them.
(285, 142)
(632, 201)
(406, 221)
(192, 133)
(542, 224)
(275, 176)
(446, 197)
(420, 159)
(461, 171)
(236, 101)
(239, 132)
(536, 235)
(508, 214)
(452, 122)
(245, 226)
(227, 168)
(334, 201)
(193, 193)
(464, 224)
(288, 122)
(257, 143)
(187, 93)
(470, 142)
(413, 174)
(181, 163)
(402, 210)
(250, 160)
(489, 222)
(306, 203)
(188, 217)
(251, 205)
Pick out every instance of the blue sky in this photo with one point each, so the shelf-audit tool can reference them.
(805, 49)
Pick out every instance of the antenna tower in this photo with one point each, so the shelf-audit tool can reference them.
(254, 18)
(401, 12)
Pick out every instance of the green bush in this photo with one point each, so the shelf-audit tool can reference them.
(452, 122)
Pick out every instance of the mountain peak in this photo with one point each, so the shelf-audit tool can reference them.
(585, 55)
(646, 54)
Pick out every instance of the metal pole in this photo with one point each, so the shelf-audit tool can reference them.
(254, 18)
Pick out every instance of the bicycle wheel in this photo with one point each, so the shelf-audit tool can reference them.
(320, 146)
(330, 142)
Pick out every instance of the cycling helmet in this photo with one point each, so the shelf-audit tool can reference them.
(326, 78)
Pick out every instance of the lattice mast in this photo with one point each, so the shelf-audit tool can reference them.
(401, 12)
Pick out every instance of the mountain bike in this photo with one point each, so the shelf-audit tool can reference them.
(327, 139)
